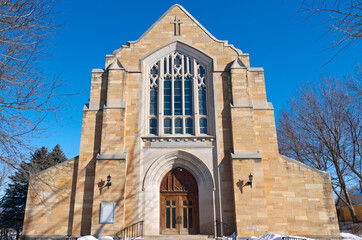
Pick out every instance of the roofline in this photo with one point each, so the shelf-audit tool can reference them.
(238, 51)
(303, 165)
(56, 166)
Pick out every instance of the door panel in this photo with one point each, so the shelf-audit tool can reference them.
(179, 207)
(169, 214)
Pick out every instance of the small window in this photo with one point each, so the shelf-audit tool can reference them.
(168, 126)
(153, 126)
(178, 126)
(203, 125)
(189, 126)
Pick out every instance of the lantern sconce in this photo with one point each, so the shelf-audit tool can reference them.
(109, 183)
(250, 180)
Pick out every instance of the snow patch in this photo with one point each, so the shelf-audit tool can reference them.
(273, 236)
(350, 236)
(89, 237)
(105, 238)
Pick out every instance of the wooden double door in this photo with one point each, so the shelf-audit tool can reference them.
(179, 206)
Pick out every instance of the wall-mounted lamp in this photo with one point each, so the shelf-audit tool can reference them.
(108, 184)
(250, 181)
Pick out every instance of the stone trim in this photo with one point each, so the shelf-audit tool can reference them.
(241, 106)
(97, 70)
(87, 108)
(133, 71)
(178, 45)
(256, 69)
(173, 159)
(226, 44)
(56, 166)
(256, 105)
(122, 156)
(262, 105)
(174, 138)
(302, 164)
(241, 156)
(237, 64)
(120, 106)
(115, 65)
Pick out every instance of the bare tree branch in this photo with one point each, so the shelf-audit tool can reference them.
(30, 101)
(342, 18)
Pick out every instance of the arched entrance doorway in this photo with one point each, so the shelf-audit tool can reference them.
(179, 203)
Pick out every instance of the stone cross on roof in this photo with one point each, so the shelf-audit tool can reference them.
(177, 26)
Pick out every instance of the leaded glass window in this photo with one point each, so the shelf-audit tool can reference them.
(178, 126)
(167, 126)
(203, 125)
(153, 126)
(189, 122)
(177, 96)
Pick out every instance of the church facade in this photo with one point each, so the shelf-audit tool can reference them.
(178, 134)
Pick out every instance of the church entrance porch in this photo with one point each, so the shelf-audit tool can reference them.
(179, 206)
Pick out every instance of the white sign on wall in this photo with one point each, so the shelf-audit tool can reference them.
(107, 212)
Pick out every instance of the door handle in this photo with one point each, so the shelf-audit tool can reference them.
(178, 219)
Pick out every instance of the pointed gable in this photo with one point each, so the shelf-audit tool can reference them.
(177, 25)
(164, 25)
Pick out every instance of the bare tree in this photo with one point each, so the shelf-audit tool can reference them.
(343, 18)
(28, 98)
(4, 172)
(322, 127)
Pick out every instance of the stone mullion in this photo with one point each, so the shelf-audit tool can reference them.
(196, 100)
(160, 97)
(207, 101)
(172, 95)
(183, 93)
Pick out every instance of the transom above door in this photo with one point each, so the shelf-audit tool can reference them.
(179, 210)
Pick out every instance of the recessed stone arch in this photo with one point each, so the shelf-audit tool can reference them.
(174, 159)
(177, 45)
(151, 188)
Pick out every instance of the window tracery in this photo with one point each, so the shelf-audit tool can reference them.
(177, 96)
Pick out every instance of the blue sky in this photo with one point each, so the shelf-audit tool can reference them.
(290, 49)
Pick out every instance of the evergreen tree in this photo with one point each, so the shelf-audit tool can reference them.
(57, 155)
(39, 160)
(13, 202)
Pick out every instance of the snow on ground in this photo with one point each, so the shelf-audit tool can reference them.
(350, 236)
(269, 236)
(87, 238)
(93, 238)
(273, 236)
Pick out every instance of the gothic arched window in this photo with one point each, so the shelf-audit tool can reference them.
(177, 96)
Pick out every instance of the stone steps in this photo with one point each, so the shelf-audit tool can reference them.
(179, 237)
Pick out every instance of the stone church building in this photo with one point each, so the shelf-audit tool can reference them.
(179, 138)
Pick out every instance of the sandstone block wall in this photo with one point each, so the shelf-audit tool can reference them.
(50, 205)
(115, 193)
